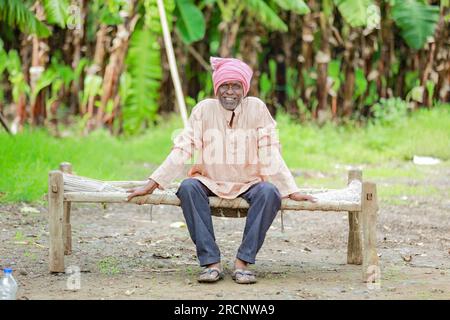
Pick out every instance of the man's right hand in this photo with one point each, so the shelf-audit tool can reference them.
(142, 191)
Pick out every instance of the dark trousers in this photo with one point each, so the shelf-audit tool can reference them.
(264, 200)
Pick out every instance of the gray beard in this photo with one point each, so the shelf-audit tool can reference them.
(229, 107)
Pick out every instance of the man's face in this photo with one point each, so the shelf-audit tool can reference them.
(230, 94)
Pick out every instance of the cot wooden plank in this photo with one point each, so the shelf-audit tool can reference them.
(169, 199)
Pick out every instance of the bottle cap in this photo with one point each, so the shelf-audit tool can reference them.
(7, 270)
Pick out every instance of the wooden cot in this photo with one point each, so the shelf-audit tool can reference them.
(362, 207)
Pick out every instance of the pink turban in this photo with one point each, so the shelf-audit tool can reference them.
(229, 69)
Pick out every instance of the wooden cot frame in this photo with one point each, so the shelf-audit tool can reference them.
(362, 217)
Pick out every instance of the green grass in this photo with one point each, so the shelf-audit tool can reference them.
(26, 159)
(109, 266)
(425, 133)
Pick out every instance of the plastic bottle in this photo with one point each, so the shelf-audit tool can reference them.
(8, 286)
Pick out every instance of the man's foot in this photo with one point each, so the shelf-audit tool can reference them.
(241, 274)
(211, 273)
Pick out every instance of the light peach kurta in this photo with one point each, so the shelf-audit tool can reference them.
(228, 160)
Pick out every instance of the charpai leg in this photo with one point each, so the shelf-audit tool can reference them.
(371, 270)
(55, 216)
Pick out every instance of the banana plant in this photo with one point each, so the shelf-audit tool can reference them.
(190, 21)
(16, 78)
(56, 12)
(417, 21)
(143, 81)
(17, 14)
(355, 12)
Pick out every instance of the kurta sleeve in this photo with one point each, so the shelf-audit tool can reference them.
(272, 166)
(185, 144)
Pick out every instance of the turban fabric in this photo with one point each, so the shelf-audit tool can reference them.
(230, 69)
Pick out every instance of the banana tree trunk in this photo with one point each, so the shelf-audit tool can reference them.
(349, 71)
(96, 68)
(38, 61)
(307, 56)
(78, 35)
(229, 35)
(322, 59)
(386, 48)
(250, 47)
(115, 65)
(442, 58)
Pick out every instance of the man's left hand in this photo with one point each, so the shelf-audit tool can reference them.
(297, 196)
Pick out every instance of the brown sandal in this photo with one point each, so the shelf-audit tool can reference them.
(242, 276)
(210, 275)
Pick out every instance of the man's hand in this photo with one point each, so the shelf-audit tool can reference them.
(142, 191)
(297, 196)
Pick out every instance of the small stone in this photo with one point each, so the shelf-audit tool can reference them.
(187, 281)
(23, 272)
(129, 292)
(434, 290)
(219, 294)
(407, 258)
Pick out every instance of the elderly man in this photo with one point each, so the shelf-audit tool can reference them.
(238, 157)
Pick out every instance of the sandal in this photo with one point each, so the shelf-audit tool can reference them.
(210, 275)
(242, 276)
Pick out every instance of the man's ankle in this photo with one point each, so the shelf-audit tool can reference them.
(214, 265)
(240, 264)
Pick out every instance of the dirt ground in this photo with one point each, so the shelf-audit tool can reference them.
(123, 252)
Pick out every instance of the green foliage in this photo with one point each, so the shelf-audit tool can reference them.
(354, 11)
(16, 78)
(389, 111)
(416, 20)
(296, 6)
(360, 83)
(265, 86)
(292, 84)
(92, 87)
(3, 59)
(141, 100)
(56, 11)
(266, 15)
(16, 14)
(372, 95)
(268, 81)
(190, 21)
(334, 72)
(104, 12)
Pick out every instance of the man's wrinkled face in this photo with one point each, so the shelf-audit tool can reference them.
(230, 94)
